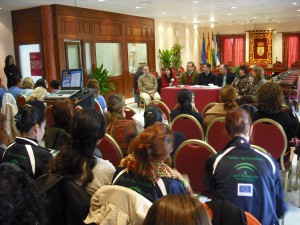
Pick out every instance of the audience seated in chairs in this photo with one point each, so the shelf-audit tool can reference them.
(15, 90)
(93, 83)
(263, 179)
(184, 106)
(25, 151)
(227, 98)
(168, 78)
(76, 161)
(27, 86)
(269, 105)
(121, 129)
(259, 80)
(59, 133)
(146, 170)
(39, 93)
(152, 115)
(55, 85)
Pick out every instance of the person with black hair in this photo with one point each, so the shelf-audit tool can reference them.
(11, 70)
(21, 201)
(25, 152)
(206, 77)
(76, 160)
(15, 89)
(152, 115)
(242, 82)
(55, 85)
(184, 106)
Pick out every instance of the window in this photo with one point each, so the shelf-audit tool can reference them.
(109, 54)
(290, 49)
(232, 48)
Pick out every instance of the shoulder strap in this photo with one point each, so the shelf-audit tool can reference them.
(162, 186)
(31, 158)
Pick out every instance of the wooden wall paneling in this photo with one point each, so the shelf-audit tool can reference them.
(84, 27)
(105, 29)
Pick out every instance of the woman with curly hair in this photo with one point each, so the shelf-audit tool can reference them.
(27, 86)
(146, 171)
(76, 160)
(227, 99)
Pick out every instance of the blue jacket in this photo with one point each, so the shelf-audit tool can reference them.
(248, 178)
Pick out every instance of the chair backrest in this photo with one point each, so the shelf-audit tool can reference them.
(49, 116)
(98, 107)
(260, 149)
(207, 107)
(265, 132)
(21, 100)
(263, 65)
(189, 126)
(129, 113)
(216, 134)
(115, 204)
(163, 107)
(295, 64)
(110, 150)
(278, 64)
(154, 73)
(190, 158)
(8, 98)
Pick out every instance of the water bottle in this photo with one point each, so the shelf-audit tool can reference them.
(172, 82)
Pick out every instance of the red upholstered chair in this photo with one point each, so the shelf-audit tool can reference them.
(163, 107)
(230, 64)
(174, 71)
(295, 65)
(190, 158)
(278, 64)
(154, 73)
(263, 65)
(189, 126)
(98, 107)
(216, 134)
(21, 100)
(265, 132)
(110, 150)
(181, 69)
(129, 113)
(49, 116)
(207, 107)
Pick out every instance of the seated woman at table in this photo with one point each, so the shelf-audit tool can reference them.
(259, 80)
(184, 106)
(168, 79)
(146, 170)
(154, 114)
(121, 129)
(242, 82)
(227, 99)
(269, 105)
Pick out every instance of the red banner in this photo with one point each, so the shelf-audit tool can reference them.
(36, 63)
(260, 47)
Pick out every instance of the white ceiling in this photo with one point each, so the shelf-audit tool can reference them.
(185, 11)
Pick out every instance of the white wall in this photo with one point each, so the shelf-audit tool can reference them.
(6, 41)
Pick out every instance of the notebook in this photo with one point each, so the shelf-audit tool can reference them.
(71, 84)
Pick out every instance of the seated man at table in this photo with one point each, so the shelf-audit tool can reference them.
(190, 76)
(225, 77)
(244, 175)
(206, 77)
(148, 86)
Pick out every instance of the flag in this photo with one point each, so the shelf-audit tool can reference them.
(218, 50)
(208, 56)
(213, 50)
(203, 54)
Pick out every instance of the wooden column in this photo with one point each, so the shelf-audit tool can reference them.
(48, 43)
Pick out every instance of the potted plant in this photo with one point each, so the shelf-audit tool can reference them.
(101, 74)
(176, 59)
(165, 56)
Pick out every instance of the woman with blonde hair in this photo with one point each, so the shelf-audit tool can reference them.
(227, 98)
(93, 83)
(27, 85)
(38, 93)
(121, 129)
(146, 170)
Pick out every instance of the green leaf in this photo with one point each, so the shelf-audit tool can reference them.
(102, 76)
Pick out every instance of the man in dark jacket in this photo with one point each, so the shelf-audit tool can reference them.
(225, 77)
(206, 77)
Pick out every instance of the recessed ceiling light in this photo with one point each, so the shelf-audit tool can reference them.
(137, 7)
(254, 17)
(183, 17)
(145, 3)
(294, 3)
(233, 7)
(195, 1)
(164, 13)
(229, 14)
(101, 0)
(298, 10)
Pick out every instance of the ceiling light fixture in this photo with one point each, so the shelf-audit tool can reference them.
(254, 17)
(294, 3)
(183, 17)
(298, 10)
(137, 7)
(229, 14)
(164, 13)
(233, 7)
(101, 0)
(195, 1)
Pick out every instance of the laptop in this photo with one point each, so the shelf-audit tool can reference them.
(71, 84)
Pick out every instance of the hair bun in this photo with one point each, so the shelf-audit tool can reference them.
(19, 115)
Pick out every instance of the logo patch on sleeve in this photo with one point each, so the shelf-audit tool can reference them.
(245, 189)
